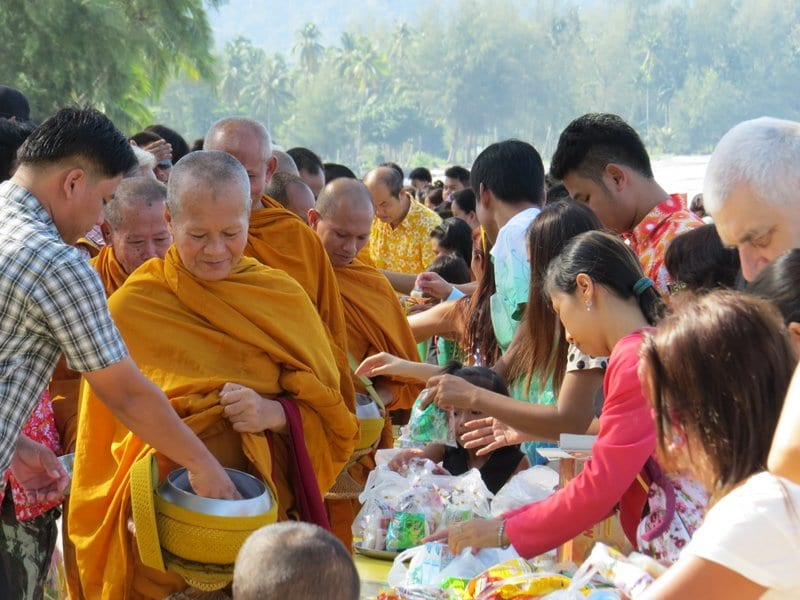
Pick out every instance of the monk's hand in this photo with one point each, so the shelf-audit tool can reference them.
(449, 391)
(212, 481)
(488, 434)
(250, 412)
(38, 471)
(475, 534)
(433, 284)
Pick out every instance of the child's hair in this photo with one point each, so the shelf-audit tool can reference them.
(294, 560)
(697, 260)
(475, 311)
(455, 236)
(718, 368)
(451, 268)
(778, 283)
(542, 351)
(609, 262)
(482, 377)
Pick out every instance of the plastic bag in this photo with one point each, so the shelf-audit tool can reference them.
(528, 486)
(429, 425)
(398, 510)
(610, 566)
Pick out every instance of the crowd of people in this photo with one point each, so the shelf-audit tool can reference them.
(229, 304)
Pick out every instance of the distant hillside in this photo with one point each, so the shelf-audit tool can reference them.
(272, 24)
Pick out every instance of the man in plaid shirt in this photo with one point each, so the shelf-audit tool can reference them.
(52, 302)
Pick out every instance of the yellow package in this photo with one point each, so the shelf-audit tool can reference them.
(499, 572)
(527, 586)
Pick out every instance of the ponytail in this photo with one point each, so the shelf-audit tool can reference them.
(609, 262)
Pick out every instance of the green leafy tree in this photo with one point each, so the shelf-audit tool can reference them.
(113, 54)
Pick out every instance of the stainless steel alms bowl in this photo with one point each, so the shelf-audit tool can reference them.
(256, 499)
(68, 462)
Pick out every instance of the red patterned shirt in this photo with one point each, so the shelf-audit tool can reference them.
(40, 427)
(651, 237)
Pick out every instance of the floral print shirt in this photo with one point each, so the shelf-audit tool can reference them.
(650, 238)
(407, 248)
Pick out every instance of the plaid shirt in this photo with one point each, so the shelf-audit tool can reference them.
(51, 301)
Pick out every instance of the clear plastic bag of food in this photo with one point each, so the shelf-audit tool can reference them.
(429, 425)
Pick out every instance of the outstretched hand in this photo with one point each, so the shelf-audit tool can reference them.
(449, 391)
(488, 434)
(475, 534)
(433, 284)
(38, 471)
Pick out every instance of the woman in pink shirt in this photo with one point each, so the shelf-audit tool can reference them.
(598, 289)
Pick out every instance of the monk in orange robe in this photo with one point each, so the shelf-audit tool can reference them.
(242, 355)
(375, 320)
(280, 239)
(134, 229)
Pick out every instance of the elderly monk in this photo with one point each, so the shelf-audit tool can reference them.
(134, 229)
(242, 355)
(375, 320)
(280, 239)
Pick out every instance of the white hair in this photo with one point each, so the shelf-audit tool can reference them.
(763, 153)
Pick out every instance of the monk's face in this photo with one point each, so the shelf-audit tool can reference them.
(141, 235)
(210, 231)
(344, 232)
(249, 149)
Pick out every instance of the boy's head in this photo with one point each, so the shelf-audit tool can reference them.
(479, 376)
(294, 560)
(598, 157)
(509, 172)
(451, 268)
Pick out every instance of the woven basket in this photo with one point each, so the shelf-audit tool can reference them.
(202, 548)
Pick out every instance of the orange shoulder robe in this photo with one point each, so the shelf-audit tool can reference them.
(110, 269)
(375, 323)
(280, 239)
(256, 328)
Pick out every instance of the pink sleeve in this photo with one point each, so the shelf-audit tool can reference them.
(625, 441)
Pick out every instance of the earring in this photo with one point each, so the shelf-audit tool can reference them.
(588, 305)
(677, 441)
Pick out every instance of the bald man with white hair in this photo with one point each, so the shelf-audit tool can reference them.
(752, 190)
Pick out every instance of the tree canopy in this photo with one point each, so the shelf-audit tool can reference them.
(429, 89)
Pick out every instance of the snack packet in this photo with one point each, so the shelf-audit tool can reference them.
(497, 573)
(429, 425)
(405, 530)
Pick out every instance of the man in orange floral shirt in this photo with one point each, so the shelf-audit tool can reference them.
(604, 164)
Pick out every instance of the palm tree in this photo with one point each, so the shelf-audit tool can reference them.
(270, 88)
(308, 48)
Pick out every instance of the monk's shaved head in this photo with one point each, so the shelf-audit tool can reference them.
(342, 219)
(132, 195)
(229, 131)
(343, 190)
(211, 170)
(285, 162)
(248, 141)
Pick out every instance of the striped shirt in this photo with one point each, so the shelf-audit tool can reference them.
(51, 302)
